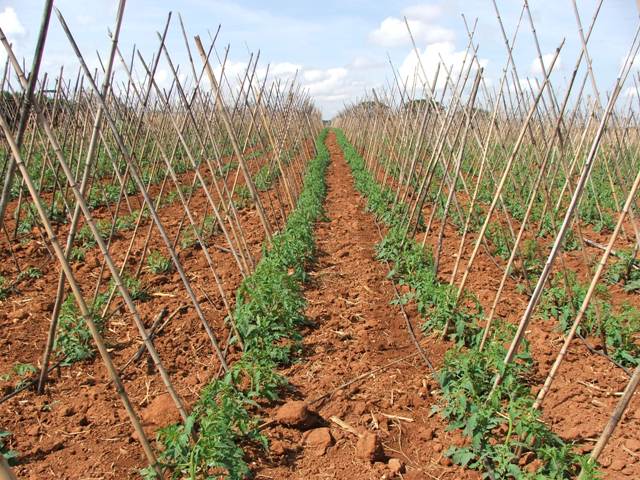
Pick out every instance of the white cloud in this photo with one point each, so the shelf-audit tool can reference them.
(392, 31)
(332, 88)
(164, 78)
(328, 87)
(536, 67)
(13, 29)
(233, 72)
(325, 82)
(362, 62)
(284, 69)
(313, 75)
(10, 23)
(430, 57)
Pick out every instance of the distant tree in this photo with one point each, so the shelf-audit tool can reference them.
(419, 104)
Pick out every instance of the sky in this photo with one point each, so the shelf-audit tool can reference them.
(340, 49)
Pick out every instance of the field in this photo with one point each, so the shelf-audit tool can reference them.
(208, 281)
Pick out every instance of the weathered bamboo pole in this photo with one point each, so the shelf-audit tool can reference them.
(557, 245)
(25, 108)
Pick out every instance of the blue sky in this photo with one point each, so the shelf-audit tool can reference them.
(339, 47)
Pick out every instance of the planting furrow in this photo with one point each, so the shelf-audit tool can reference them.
(381, 423)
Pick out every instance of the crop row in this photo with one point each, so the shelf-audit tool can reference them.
(500, 425)
(269, 309)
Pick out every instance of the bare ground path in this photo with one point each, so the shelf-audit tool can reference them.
(357, 330)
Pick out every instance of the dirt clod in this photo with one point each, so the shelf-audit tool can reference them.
(161, 412)
(68, 411)
(318, 440)
(395, 466)
(276, 448)
(296, 414)
(632, 444)
(369, 448)
(618, 464)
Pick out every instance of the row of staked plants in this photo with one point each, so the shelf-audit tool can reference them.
(269, 310)
(73, 341)
(501, 430)
(108, 191)
(618, 328)
(47, 178)
(597, 208)
(263, 179)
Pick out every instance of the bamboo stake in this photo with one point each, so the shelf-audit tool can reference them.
(75, 288)
(26, 105)
(588, 296)
(500, 186)
(526, 317)
(136, 178)
(76, 213)
(616, 416)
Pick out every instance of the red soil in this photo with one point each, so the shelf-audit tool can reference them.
(79, 428)
(358, 331)
(587, 386)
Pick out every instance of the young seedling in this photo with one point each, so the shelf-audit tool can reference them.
(158, 263)
(8, 454)
(4, 288)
